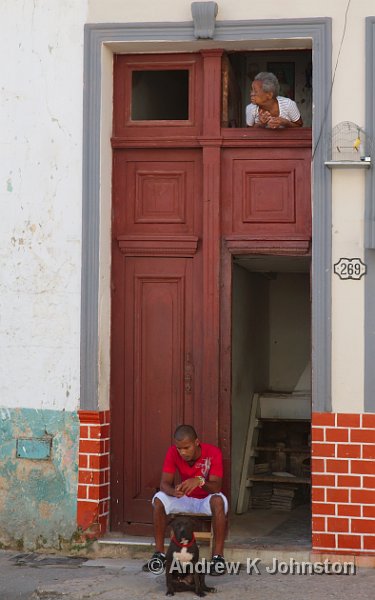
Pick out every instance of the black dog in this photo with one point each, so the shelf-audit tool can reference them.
(182, 557)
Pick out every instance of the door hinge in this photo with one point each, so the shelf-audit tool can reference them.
(188, 376)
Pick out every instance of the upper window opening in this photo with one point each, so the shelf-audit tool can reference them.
(160, 95)
(293, 69)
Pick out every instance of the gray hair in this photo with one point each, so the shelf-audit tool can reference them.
(269, 81)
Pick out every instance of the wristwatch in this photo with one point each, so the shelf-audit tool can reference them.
(201, 479)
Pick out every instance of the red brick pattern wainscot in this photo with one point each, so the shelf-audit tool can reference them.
(343, 483)
(93, 472)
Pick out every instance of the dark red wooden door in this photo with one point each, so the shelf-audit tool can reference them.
(156, 367)
(156, 320)
(185, 192)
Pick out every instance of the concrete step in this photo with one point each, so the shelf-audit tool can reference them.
(112, 546)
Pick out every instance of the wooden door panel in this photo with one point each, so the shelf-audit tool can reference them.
(155, 318)
(156, 191)
(157, 394)
(266, 193)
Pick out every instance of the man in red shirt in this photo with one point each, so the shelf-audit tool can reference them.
(200, 467)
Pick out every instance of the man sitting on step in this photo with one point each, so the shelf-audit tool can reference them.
(201, 470)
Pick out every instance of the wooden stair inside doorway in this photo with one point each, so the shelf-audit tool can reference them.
(265, 406)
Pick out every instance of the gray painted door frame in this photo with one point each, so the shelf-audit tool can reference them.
(316, 31)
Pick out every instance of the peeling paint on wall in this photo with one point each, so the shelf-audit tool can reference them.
(40, 198)
(38, 498)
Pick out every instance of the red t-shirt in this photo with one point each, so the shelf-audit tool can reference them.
(210, 462)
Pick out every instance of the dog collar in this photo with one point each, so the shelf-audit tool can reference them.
(192, 541)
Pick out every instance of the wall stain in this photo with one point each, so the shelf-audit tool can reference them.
(38, 499)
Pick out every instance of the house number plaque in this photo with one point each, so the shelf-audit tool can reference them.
(350, 268)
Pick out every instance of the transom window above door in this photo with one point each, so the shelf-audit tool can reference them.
(160, 95)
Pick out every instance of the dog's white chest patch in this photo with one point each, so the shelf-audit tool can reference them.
(183, 556)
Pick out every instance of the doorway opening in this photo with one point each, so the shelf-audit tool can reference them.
(271, 400)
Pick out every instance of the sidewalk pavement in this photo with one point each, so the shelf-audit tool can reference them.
(55, 577)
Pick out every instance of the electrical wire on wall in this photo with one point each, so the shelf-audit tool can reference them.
(333, 80)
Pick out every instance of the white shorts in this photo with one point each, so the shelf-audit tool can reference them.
(185, 504)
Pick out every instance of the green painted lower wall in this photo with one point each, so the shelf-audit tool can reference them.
(38, 495)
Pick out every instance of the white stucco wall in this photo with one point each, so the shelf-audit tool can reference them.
(119, 11)
(347, 295)
(41, 45)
